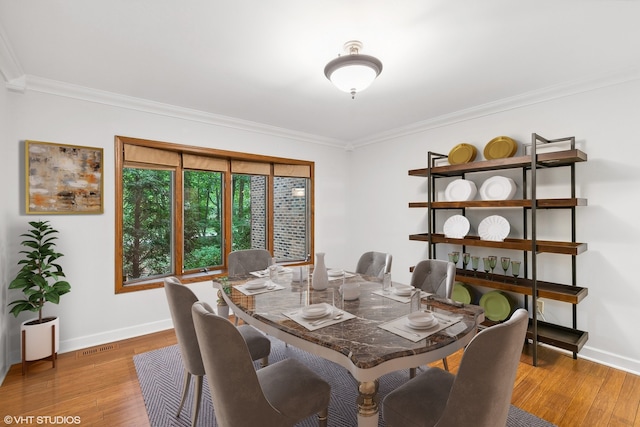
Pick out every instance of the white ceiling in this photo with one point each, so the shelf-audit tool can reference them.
(262, 61)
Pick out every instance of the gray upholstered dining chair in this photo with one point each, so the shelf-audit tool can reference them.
(479, 395)
(181, 299)
(436, 277)
(279, 395)
(374, 264)
(243, 262)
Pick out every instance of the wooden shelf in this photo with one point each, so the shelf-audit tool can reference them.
(570, 339)
(559, 336)
(549, 290)
(519, 203)
(545, 246)
(553, 159)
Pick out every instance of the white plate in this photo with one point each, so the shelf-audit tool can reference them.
(416, 326)
(460, 190)
(403, 291)
(422, 319)
(498, 188)
(255, 284)
(315, 311)
(456, 227)
(335, 273)
(494, 228)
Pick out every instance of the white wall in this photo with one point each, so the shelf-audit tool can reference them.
(92, 314)
(361, 204)
(606, 126)
(4, 274)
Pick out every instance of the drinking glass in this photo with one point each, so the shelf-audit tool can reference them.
(273, 273)
(386, 283)
(415, 300)
(475, 260)
(493, 261)
(486, 266)
(505, 261)
(465, 260)
(337, 299)
(454, 257)
(515, 269)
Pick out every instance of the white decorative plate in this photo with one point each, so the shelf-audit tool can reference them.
(456, 227)
(403, 291)
(335, 272)
(460, 190)
(315, 311)
(494, 228)
(255, 284)
(497, 188)
(421, 319)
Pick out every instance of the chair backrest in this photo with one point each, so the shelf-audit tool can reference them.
(230, 373)
(374, 264)
(241, 263)
(181, 299)
(434, 276)
(482, 389)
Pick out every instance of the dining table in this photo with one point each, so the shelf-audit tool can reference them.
(369, 335)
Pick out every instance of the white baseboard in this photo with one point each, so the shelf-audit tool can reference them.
(103, 338)
(609, 359)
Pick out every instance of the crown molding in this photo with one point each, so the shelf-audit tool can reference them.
(38, 84)
(9, 66)
(54, 87)
(501, 105)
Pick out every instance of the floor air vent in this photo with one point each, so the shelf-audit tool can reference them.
(96, 350)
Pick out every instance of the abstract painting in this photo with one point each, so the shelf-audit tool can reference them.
(63, 179)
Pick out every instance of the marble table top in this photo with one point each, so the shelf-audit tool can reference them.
(359, 338)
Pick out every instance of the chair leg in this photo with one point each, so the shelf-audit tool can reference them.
(323, 417)
(446, 365)
(197, 397)
(186, 381)
(412, 372)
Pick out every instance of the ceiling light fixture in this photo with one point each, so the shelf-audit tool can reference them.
(353, 72)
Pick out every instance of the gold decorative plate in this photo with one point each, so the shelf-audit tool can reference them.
(500, 147)
(462, 153)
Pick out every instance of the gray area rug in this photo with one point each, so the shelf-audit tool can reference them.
(160, 373)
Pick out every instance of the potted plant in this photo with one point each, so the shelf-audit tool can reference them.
(39, 281)
(223, 308)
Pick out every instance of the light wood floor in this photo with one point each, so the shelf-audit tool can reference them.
(102, 388)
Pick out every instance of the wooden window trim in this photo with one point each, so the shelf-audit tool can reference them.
(132, 152)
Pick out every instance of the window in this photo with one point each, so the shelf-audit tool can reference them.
(180, 210)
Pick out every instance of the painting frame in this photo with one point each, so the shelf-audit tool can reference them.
(63, 178)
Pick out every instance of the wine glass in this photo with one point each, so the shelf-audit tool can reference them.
(515, 270)
(486, 265)
(454, 257)
(505, 261)
(475, 260)
(465, 260)
(493, 261)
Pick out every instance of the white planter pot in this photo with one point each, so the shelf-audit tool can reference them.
(38, 338)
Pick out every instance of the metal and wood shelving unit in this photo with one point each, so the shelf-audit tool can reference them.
(567, 338)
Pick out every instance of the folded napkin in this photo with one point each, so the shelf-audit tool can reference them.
(313, 324)
(270, 287)
(401, 327)
(346, 276)
(265, 272)
(399, 298)
(260, 273)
